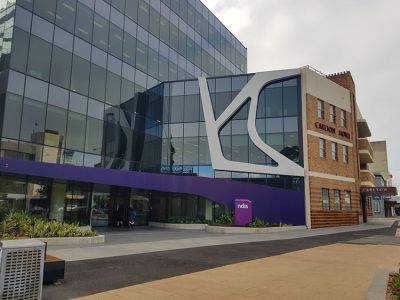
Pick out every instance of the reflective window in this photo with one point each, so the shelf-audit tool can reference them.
(84, 22)
(77, 103)
(131, 9)
(12, 116)
(336, 199)
(347, 200)
(115, 41)
(16, 82)
(240, 148)
(322, 148)
(96, 109)
(65, 15)
(275, 140)
(273, 97)
(42, 29)
(39, 62)
(75, 131)
(320, 109)
(33, 118)
(19, 52)
(290, 101)
(113, 89)
(36, 89)
(332, 113)
(97, 86)
(129, 49)
(94, 136)
(46, 9)
(61, 67)
(192, 108)
(143, 14)
(141, 56)
(176, 109)
(325, 199)
(28, 4)
(274, 125)
(191, 148)
(204, 152)
(63, 39)
(56, 123)
(80, 75)
(58, 96)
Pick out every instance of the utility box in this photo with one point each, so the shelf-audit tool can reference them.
(21, 269)
(243, 212)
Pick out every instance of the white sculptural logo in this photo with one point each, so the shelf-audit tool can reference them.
(251, 91)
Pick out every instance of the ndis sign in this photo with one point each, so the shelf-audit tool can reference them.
(243, 212)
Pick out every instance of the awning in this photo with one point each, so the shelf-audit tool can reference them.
(379, 191)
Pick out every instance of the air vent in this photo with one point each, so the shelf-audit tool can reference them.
(21, 269)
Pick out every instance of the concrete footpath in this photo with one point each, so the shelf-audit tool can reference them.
(326, 261)
(338, 271)
(191, 239)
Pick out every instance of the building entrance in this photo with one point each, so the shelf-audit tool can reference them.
(111, 206)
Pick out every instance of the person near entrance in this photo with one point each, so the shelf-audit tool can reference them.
(120, 215)
(131, 216)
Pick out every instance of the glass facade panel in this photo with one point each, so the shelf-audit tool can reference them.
(38, 61)
(12, 116)
(76, 128)
(61, 67)
(33, 121)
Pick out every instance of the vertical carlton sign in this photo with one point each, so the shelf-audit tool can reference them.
(243, 212)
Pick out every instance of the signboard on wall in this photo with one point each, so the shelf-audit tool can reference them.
(379, 191)
(243, 212)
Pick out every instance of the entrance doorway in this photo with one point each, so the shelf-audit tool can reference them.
(111, 205)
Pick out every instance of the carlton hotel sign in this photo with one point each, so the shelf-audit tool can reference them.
(330, 129)
(382, 191)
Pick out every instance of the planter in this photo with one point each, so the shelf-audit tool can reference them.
(178, 226)
(87, 240)
(249, 230)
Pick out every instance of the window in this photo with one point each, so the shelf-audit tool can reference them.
(334, 151)
(84, 22)
(345, 154)
(39, 62)
(332, 113)
(320, 109)
(343, 120)
(322, 148)
(65, 15)
(336, 195)
(61, 67)
(325, 199)
(376, 206)
(347, 200)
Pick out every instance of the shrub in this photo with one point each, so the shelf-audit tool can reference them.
(258, 223)
(394, 285)
(23, 225)
(224, 219)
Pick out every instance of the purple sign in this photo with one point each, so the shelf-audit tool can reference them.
(243, 212)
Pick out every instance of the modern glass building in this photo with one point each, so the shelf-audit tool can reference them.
(100, 110)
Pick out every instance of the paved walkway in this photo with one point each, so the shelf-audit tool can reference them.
(93, 276)
(120, 243)
(338, 271)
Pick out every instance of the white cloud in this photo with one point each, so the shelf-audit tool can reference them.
(358, 35)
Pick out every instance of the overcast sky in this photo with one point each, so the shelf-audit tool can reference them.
(362, 36)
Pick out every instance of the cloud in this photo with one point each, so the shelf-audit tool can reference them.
(357, 35)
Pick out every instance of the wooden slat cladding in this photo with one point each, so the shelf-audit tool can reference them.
(321, 219)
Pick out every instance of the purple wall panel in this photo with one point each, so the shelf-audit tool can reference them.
(269, 204)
